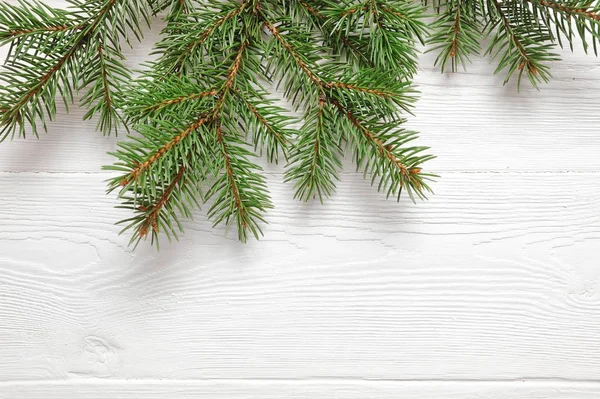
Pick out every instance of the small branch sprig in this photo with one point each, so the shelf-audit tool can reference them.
(523, 34)
(207, 89)
(60, 52)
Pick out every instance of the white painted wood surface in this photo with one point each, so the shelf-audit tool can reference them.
(489, 290)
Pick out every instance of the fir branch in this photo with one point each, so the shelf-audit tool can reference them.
(180, 99)
(106, 74)
(523, 33)
(188, 35)
(24, 32)
(218, 83)
(348, 47)
(583, 9)
(304, 161)
(391, 28)
(314, 160)
(160, 184)
(316, 156)
(457, 31)
(299, 58)
(38, 19)
(377, 92)
(50, 60)
(514, 38)
(155, 94)
(159, 212)
(382, 151)
(162, 150)
(240, 192)
(151, 220)
(268, 124)
(518, 49)
(570, 18)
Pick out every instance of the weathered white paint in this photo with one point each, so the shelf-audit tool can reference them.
(299, 389)
(489, 290)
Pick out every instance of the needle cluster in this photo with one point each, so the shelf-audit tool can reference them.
(203, 115)
(523, 34)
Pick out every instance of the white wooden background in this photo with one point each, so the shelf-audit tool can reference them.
(489, 290)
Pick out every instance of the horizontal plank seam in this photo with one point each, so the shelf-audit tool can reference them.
(536, 381)
(423, 71)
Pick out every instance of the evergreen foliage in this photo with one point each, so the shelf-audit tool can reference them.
(202, 114)
(56, 53)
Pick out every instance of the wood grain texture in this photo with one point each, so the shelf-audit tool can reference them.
(490, 290)
(495, 278)
(299, 390)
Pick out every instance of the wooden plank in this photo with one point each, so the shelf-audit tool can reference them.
(160, 389)
(496, 277)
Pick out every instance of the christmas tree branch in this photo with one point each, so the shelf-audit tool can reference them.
(515, 39)
(226, 93)
(382, 150)
(45, 20)
(151, 219)
(240, 193)
(297, 57)
(304, 160)
(520, 50)
(179, 58)
(315, 158)
(59, 54)
(392, 30)
(456, 35)
(156, 94)
(24, 32)
(268, 124)
(106, 74)
(570, 18)
(235, 197)
(162, 150)
(583, 9)
(340, 43)
(180, 99)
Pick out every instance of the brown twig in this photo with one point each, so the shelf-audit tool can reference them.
(382, 148)
(377, 92)
(205, 34)
(178, 100)
(261, 118)
(135, 172)
(55, 28)
(105, 84)
(151, 221)
(230, 175)
(567, 10)
(526, 61)
(455, 32)
(290, 49)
